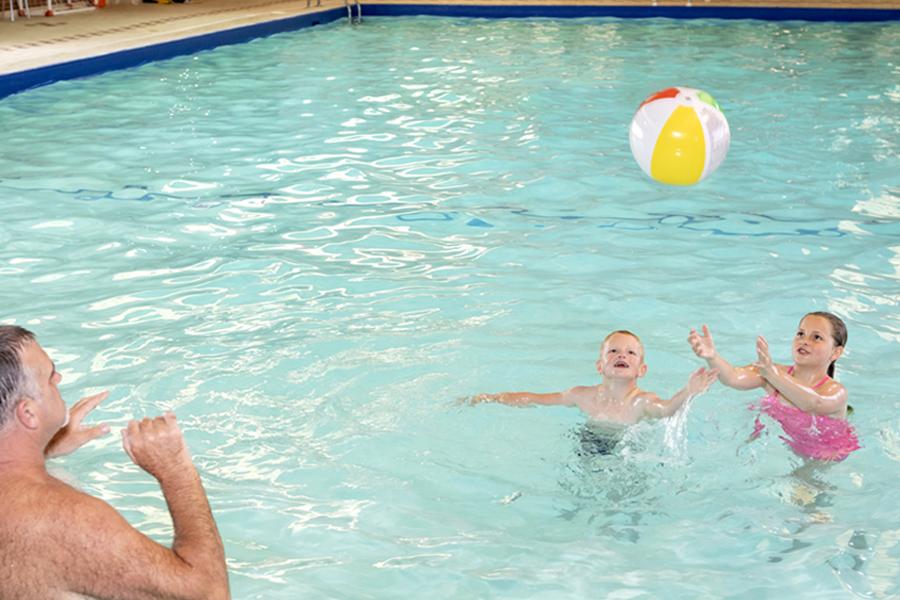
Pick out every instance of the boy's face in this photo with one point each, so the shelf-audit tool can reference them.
(621, 356)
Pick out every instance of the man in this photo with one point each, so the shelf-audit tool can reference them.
(57, 542)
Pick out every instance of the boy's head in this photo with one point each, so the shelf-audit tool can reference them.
(621, 356)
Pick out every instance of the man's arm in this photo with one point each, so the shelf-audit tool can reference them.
(114, 560)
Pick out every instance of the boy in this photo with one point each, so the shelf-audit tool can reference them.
(616, 402)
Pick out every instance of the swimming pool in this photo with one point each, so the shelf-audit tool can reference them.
(311, 245)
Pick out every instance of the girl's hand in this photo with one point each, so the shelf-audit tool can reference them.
(764, 359)
(702, 345)
(700, 381)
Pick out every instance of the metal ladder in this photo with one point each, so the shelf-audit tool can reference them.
(349, 5)
(23, 11)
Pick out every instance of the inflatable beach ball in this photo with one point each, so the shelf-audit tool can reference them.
(679, 135)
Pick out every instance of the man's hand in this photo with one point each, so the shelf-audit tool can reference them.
(74, 435)
(157, 446)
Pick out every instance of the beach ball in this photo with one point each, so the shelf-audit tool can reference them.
(679, 135)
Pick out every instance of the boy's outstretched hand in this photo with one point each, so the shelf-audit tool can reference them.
(700, 380)
(702, 345)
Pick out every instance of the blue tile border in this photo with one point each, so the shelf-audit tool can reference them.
(13, 83)
(634, 12)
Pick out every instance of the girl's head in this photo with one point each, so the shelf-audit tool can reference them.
(820, 336)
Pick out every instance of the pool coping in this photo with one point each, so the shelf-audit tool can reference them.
(20, 81)
(562, 11)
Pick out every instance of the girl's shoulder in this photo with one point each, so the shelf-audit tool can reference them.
(831, 387)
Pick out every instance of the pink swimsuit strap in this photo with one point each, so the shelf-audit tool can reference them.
(790, 371)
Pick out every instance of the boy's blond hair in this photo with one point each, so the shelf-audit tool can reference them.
(624, 332)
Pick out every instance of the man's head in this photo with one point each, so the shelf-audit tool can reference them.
(15, 381)
(28, 383)
(621, 356)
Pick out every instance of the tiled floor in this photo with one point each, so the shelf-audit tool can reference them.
(41, 41)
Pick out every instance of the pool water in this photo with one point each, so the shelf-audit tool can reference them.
(313, 245)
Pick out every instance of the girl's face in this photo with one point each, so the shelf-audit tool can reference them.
(814, 343)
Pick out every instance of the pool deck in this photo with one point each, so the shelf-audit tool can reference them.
(39, 41)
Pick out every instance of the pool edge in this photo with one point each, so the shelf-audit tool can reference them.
(764, 13)
(20, 81)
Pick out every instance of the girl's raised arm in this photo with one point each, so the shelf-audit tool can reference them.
(740, 378)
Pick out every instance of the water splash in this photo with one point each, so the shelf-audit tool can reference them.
(675, 437)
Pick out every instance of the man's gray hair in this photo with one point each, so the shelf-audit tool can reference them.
(15, 380)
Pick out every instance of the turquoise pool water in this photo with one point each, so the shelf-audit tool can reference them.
(312, 245)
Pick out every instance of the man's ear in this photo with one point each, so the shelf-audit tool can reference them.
(26, 413)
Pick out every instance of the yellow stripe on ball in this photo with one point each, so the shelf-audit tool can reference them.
(680, 151)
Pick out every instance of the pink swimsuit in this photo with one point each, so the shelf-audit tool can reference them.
(810, 436)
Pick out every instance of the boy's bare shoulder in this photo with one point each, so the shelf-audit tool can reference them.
(645, 396)
(584, 390)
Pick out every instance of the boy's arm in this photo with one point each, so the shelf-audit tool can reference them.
(700, 380)
(740, 378)
(828, 399)
(526, 398)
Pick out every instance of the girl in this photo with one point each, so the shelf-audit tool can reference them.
(810, 406)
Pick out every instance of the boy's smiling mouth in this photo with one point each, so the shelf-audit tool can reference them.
(621, 364)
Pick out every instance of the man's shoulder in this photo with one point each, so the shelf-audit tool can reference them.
(35, 510)
(46, 523)
(39, 502)
(48, 530)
